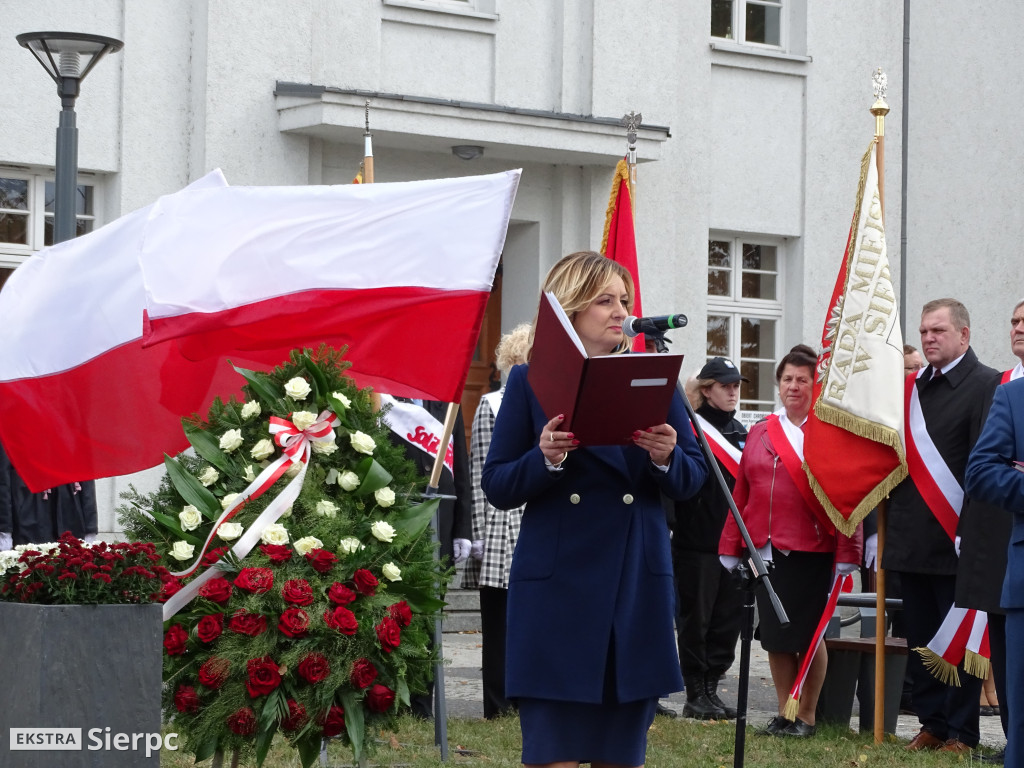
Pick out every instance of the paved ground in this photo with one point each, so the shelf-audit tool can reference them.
(463, 689)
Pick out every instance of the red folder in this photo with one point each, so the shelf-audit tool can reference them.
(605, 399)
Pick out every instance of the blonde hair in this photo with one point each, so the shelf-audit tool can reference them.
(578, 279)
(513, 348)
(696, 390)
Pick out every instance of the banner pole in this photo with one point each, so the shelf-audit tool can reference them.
(880, 109)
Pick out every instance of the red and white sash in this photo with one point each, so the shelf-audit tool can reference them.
(939, 488)
(415, 425)
(726, 453)
(788, 440)
(1014, 373)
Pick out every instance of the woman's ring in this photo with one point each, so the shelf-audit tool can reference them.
(552, 436)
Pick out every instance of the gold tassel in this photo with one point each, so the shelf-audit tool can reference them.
(977, 665)
(621, 174)
(791, 708)
(940, 669)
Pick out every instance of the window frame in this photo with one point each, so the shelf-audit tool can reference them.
(739, 26)
(737, 307)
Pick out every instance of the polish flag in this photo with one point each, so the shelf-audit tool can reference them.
(619, 240)
(398, 272)
(80, 397)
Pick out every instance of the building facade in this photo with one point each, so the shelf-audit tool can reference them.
(755, 116)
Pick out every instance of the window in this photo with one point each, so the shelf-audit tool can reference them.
(755, 22)
(26, 215)
(745, 313)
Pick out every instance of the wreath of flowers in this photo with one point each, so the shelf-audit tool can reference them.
(322, 629)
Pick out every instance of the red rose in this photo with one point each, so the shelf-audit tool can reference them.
(256, 580)
(297, 592)
(379, 698)
(243, 722)
(389, 634)
(341, 619)
(186, 699)
(294, 622)
(296, 717)
(365, 581)
(175, 640)
(321, 561)
(210, 627)
(263, 676)
(400, 612)
(363, 673)
(245, 623)
(340, 594)
(213, 672)
(217, 589)
(278, 553)
(167, 588)
(333, 722)
(313, 668)
(211, 557)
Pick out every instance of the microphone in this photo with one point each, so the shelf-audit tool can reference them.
(634, 326)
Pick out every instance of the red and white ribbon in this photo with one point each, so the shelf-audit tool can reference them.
(296, 446)
(726, 453)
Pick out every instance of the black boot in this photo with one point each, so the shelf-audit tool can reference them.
(711, 692)
(697, 704)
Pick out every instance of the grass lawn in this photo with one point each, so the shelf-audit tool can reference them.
(671, 744)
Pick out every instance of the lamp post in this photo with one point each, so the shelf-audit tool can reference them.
(67, 57)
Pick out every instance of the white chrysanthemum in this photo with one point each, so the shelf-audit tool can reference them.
(383, 531)
(326, 508)
(391, 572)
(250, 409)
(209, 476)
(229, 531)
(297, 388)
(262, 449)
(275, 533)
(190, 518)
(307, 544)
(362, 442)
(230, 440)
(384, 496)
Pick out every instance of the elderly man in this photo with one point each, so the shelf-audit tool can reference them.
(946, 407)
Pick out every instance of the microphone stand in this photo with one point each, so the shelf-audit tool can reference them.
(754, 571)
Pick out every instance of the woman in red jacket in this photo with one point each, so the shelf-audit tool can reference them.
(789, 527)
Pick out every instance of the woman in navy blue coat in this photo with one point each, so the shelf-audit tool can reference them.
(590, 644)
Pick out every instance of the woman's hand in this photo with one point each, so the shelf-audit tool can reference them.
(659, 442)
(556, 445)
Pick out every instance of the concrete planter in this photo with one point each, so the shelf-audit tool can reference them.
(91, 667)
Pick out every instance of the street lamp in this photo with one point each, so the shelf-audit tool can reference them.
(67, 57)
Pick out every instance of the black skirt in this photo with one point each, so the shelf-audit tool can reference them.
(802, 581)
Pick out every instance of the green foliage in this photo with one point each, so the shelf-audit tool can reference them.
(324, 543)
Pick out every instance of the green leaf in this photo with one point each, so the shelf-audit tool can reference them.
(418, 600)
(190, 489)
(320, 386)
(411, 522)
(355, 722)
(169, 523)
(262, 385)
(207, 749)
(372, 476)
(207, 446)
(309, 750)
(402, 691)
(263, 741)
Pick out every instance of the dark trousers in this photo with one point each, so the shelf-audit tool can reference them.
(493, 606)
(997, 649)
(1014, 689)
(710, 614)
(945, 711)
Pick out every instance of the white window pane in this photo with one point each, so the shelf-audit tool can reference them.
(757, 338)
(14, 194)
(761, 386)
(719, 327)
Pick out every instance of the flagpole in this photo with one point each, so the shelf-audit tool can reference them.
(880, 109)
(632, 121)
(367, 149)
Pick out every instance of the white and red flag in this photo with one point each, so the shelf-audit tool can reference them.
(619, 240)
(853, 452)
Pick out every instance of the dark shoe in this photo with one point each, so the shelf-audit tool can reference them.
(799, 729)
(955, 745)
(775, 726)
(700, 708)
(987, 711)
(711, 691)
(924, 740)
(996, 758)
(664, 711)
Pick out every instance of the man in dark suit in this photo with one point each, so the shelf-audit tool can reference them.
(947, 404)
(995, 474)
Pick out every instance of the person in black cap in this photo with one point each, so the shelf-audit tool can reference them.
(710, 601)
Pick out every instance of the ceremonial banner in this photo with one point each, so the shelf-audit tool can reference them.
(80, 397)
(853, 453)
(399, 272)
(619, 240)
